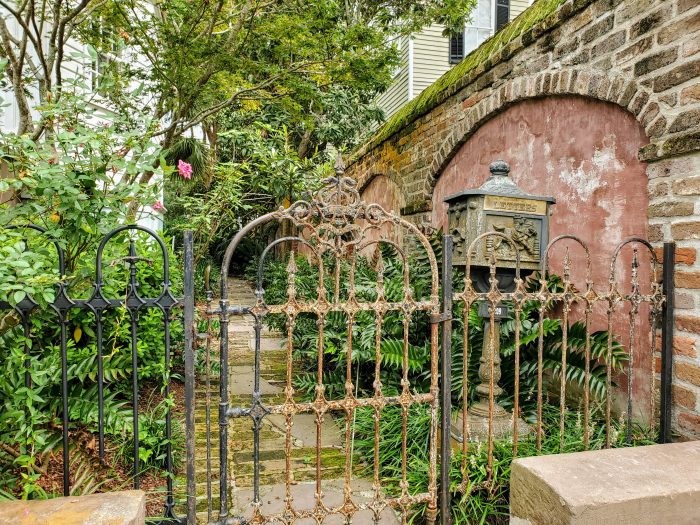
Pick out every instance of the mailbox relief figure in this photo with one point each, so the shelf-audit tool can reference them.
(500, 207)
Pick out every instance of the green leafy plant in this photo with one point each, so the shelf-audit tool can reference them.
(486, 498)
(153, 439)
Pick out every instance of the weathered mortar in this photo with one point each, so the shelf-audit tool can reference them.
(641, 55)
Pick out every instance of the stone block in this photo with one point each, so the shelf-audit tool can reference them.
(648, 23)
(686, 256)
(634, 50)
(609, 44)
(640, 486)
(111, 508)
(689, 422)
(688, 323)
(686, 230)
(683, 397)
(687, 372)
(679, 29)
(671, 209)
(690, 95)
(655, 61)
(598, 29)
(686, 120)
(687, 186)
(677, 76)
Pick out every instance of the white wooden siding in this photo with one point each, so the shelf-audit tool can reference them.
(517, 7)
(430, 57)
(397, 93)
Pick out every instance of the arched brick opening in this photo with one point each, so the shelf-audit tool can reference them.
(485, 105)
(583, 152)
(383, 190)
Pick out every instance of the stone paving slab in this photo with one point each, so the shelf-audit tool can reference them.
(657, 484)
(304, 430)
(243, 379)
(113, 508)
(272, 498)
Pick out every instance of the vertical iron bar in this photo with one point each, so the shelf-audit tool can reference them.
(100, 384)
(207, 408)
(223, 404)
(27, 333)
(446, 382)
(64, 398)
(169, 500)
(667, 343)
(635, 300)
(188, 320)
(257, 408)
(135, 392)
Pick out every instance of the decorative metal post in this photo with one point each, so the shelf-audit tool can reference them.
(516, 221)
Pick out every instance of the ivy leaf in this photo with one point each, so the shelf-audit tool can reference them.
(19, 295)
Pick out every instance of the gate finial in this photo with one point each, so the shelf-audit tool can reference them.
(339, 165)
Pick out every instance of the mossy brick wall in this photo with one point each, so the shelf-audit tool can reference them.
(642, 55)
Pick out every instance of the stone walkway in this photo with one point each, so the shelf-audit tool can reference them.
(272, 435)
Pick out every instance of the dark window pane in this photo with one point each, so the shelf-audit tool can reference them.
(456, 48)
(502, 13)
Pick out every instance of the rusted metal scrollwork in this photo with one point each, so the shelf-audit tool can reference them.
(615, 305)
(335, 225)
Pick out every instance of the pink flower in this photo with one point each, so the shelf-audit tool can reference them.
(185, 169)
(158, 206)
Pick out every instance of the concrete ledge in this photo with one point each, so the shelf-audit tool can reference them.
(112, 508)
(658, 484)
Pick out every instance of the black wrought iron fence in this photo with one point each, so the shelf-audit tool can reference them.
(102, 301)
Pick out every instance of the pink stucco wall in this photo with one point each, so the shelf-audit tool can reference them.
(385, 192)
(584, 153)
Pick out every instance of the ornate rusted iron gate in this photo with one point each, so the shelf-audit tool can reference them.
(334, 229)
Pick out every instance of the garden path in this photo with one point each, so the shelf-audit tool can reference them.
(272, 435)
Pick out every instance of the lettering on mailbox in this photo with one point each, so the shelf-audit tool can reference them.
(530, 206)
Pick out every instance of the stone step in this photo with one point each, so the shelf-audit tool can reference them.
(246, 481)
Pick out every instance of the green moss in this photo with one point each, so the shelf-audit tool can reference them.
(430, 97)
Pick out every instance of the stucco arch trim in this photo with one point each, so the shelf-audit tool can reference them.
(486, 104)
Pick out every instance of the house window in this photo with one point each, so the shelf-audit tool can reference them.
(502, 13)
(457, 48)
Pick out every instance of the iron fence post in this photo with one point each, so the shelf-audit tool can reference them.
(667, 343)
(188, 320)
(446, 381)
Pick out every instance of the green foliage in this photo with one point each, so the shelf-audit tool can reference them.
(153, 439)
(263, 172)
(78, 186)
(486, 499)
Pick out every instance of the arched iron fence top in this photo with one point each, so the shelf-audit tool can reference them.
(133, 227)
(493, 261)
(633, 240)
(581, 243)
(338, 209)
(283, 240)
(41, 229)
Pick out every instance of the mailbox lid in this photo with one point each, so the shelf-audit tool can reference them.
(499, 184)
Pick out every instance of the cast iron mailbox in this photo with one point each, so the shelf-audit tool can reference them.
(499, 205)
